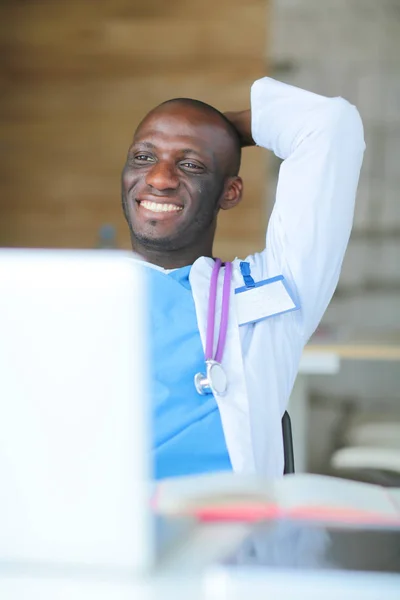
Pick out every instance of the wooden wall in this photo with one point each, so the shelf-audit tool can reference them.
(76, 78)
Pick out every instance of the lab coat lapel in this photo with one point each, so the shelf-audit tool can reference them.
(234, 406)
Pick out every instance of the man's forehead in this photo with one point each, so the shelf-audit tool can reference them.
(186, 127)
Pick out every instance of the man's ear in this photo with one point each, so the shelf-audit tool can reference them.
(232, 194)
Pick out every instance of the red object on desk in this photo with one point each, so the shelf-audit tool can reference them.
(251, 514)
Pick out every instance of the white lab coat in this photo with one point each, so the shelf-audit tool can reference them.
(322, 144)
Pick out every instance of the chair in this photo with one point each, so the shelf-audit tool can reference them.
(377, 465)
(287, 444)
(369, 449)
(377, 430)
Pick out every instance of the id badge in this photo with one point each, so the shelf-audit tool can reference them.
(260, 300)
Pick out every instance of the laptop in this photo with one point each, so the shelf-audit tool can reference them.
(74, 422)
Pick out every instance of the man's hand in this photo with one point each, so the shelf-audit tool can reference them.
(241, 120)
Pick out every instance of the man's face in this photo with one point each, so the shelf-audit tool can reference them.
(174, 177)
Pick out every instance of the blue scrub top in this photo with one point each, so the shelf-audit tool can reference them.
(187, 432)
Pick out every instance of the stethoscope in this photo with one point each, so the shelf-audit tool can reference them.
(214, 381)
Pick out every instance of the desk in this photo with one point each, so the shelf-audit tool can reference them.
(191, 573)
(325, 359)
(353, 351)
(213, 585)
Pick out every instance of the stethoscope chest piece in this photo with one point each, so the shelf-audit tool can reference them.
(213, 382)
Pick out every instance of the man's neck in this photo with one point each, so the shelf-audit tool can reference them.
(174, 259)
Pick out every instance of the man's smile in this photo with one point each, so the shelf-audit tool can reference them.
(159, 206)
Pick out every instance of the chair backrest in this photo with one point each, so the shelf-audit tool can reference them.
(287, 444)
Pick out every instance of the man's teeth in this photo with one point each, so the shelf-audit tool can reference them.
(158, 207)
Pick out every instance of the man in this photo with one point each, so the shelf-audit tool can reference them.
(181, 169)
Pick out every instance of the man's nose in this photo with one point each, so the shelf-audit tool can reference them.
(162, 176)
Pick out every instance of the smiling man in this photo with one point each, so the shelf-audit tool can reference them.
(226, 340)
(182, 168)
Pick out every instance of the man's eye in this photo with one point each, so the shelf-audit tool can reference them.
(143, 158)
(191, 165)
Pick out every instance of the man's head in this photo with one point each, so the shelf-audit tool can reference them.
(182, 167)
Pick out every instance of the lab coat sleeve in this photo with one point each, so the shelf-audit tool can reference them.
(321, 143)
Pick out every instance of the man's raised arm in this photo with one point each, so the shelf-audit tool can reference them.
(321, 143)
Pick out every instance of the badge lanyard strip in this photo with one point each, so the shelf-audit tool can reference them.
(224, 312)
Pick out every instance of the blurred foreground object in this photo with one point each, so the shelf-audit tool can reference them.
(74, 454)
